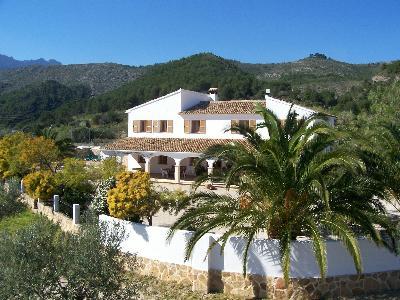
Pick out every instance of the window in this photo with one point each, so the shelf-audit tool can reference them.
(163, 126)
(145, 126)
(141, 160)
(195, 126)
(162, 160)
(243, 124)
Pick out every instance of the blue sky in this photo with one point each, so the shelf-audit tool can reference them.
(145, 32)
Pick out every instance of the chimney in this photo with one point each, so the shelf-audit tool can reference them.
(267, 93)
(213, 93)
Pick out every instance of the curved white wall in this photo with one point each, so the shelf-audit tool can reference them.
(150, 242)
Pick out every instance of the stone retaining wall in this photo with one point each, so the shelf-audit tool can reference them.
(271, 287)
(62, 220)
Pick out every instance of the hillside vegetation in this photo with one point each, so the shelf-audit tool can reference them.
(65, 97)
(99, 78)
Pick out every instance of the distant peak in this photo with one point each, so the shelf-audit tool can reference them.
(318, 55)
(9, 62)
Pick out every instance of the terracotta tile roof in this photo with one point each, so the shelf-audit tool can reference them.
(224, 107)
(197, 145)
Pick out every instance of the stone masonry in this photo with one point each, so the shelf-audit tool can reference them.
(271, 287)
(62, 220)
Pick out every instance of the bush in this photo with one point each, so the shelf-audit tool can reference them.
(174, 201)
(131, 196)
(110, 167)
(40, 184)
(8, 198)
(41, 262)
(99, 201)
(73, 182)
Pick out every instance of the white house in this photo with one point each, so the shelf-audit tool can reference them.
(167, 134)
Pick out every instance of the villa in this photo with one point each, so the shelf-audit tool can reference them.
(166, 135)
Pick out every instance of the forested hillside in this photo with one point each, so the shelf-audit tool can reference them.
(69, 102)
(37, 104)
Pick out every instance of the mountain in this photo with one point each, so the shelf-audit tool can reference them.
(95, 95)
(197, 72)
(9, 62)
(316, 71)
(99, 78)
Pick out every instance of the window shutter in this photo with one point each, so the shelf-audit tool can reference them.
(187, 126)
(202, 126)
(156, 126)
(170, 126)
(148, 126)
(136, 125)
(252, 124)
(234, 123)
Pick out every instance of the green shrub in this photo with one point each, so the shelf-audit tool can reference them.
(73, 182)
(41, 262)
(8, 198)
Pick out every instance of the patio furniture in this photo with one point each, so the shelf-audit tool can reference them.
(164, 173)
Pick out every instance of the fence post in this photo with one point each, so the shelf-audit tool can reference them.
(75, 213)
(22, 186)
(56, 203)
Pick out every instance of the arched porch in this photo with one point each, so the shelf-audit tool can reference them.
(175, 167)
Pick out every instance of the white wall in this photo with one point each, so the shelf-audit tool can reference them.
(149, 242)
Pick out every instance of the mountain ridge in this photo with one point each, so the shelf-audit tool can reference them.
(9, 62)
(104, 77)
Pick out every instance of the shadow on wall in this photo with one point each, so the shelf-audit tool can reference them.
(140, 229)
(259, 248)
(215, 283)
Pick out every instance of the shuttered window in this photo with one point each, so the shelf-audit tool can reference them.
(234, 123)
(157, 126)
(163, 126)
(202, 126)
(136, 126)
(244, 124)
(252, 124)
(170, 126)
(148, 126)
(187, 126)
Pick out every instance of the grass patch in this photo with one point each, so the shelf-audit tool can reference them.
(17, 221)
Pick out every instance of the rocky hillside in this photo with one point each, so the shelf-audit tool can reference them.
(316, 71)
(99, 78)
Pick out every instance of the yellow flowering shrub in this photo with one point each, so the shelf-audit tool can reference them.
(40, 184)
(132, 196)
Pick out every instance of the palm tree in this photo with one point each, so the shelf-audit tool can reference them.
(287, 186)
